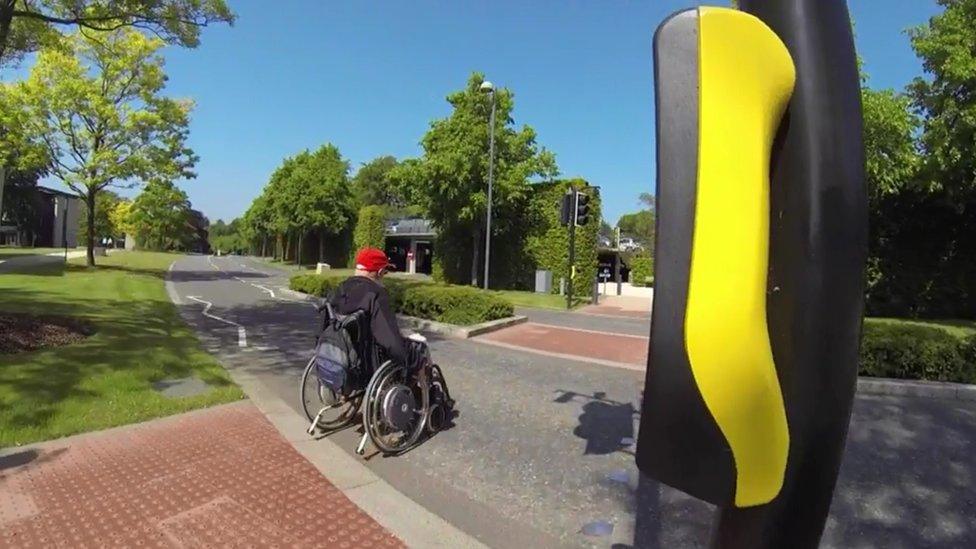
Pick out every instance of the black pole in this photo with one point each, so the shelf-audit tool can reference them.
(616, 269)
(64, 229)
(572, 255)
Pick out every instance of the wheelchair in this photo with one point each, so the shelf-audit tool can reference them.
(400, 403)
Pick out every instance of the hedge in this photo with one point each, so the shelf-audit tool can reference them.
(642, 270)
(370, 228)
(526, 236)
(913, 351)
(461, 305)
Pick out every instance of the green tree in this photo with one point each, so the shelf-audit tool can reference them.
(946, 97)
(25, 25)
(373, 186)
(255, 225)
(97, 110)
(648, 200)
(281, 207)
(891, 152)
(104, 206)
(450, 181)
(319, 196)
(121, 218)
(638, 225)
(161, 217)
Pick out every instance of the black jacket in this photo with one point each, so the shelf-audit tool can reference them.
(360, 293)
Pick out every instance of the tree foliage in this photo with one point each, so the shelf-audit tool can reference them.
(450, 180)
(161, 217)
(946, 97)
(922, 260)
(307, 193)
(891, 154)
(638, 225)
(96, 111)
(26, 25)
(105, 204)
(373, 186)
(121, 218)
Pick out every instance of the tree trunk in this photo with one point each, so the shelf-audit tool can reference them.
(6, 18)
(3, 180)
(288, 254)
(91, 226)
(475, 252)
(264, 245)
(279, 247)
(321, 245)
(298, 255)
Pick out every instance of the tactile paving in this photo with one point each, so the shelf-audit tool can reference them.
(212, 478)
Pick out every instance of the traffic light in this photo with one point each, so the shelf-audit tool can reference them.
(582, 208)
(566, 211)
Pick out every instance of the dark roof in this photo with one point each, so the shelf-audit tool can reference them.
(410, 227)
(48, 190)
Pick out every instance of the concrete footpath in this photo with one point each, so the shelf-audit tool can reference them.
(215, 477)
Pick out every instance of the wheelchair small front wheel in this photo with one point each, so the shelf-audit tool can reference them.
(396, 408)
(322, 405)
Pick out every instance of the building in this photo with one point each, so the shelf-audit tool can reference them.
(40, 217)
(410, 245)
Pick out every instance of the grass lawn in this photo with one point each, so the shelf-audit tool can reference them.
(104, 380)
(7, 252)
(958, 328)
(532, 299)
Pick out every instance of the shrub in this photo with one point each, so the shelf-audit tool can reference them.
(912, 351)
(370, 228)
(460, 305)
(642, 270)
(453, 304)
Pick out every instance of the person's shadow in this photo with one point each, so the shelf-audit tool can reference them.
(604, 425)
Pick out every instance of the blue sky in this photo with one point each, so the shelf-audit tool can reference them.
(370, 76)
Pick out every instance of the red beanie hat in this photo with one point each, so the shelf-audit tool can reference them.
(372, 260)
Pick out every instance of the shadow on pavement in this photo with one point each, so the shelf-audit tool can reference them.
(203, 276)
(663, 517)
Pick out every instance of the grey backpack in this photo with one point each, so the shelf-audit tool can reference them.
(338, 352)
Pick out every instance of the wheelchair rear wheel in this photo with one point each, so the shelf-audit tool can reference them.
(322, 405)
(396, 406)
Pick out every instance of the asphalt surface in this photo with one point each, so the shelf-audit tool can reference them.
(539, 450)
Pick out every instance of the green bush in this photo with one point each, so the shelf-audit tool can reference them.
(912, 351)
(461, 305)
(642, 270)
(370, 228)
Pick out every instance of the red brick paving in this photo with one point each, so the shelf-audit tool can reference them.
(222, 477)
(631, 350)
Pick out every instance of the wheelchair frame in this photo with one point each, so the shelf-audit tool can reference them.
(385, 388)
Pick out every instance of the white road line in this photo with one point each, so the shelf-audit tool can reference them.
(597, 332)
(174, 296)
(241, 333)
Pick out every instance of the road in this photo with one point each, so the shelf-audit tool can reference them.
(540, 449)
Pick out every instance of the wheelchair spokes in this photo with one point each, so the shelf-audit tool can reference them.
(395, 411)
(323, 408)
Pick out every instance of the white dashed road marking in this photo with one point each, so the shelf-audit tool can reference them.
(241, 333)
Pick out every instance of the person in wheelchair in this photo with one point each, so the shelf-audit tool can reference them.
(403, 395)
(364, 291)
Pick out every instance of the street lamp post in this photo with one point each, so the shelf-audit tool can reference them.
(487, 87)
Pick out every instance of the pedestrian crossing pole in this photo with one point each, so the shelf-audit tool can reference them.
(572, 247)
